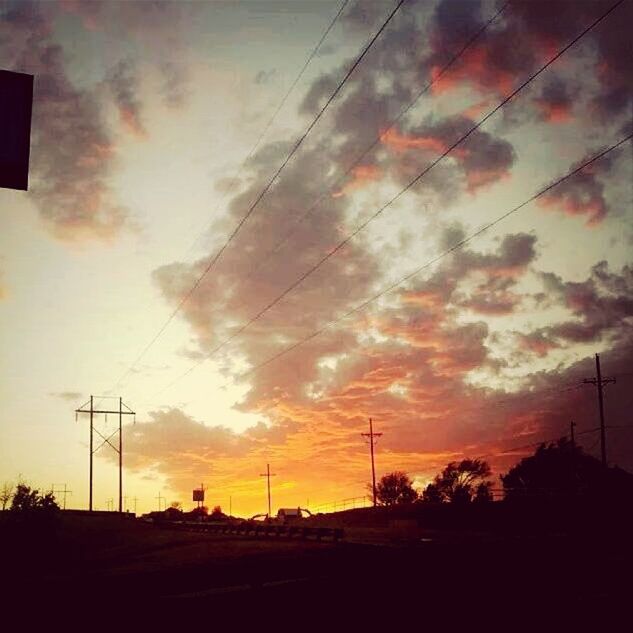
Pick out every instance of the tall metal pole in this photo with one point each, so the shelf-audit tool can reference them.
(603, 433)
(599, 382)
(91, 445)
(373, 465)
(268, 478)
(120, 454)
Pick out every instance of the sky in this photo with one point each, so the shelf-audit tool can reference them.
(158, 127)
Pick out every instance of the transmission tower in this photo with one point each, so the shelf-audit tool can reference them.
(106, 440)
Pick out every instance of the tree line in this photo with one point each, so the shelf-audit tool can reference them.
(559, 468)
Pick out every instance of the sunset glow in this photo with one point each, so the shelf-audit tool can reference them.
(351, 289)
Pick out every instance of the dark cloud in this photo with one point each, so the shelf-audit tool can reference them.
(71, 396)
(555, 102)
(158, 27)
(615, 51)
(528, 35)
(174, 83)
(265, 76)
(123, 82)
(483, 158)
(537, 343)
(409, 363)
(601, 306)
(72, 153)
(584, 193)
(362, 16)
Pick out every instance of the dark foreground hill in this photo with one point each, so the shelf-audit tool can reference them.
(437, 579)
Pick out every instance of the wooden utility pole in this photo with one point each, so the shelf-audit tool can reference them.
(371, 435)
(160, 498)
(106, 440)
(268, 475)
(599, 382)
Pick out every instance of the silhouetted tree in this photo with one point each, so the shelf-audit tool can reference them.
(457, 483)
(6, 493)
(27, 500)
(394, 488)
(432, 494)
(562, 468)
(217, 513)
(483, 492)
(200, 512)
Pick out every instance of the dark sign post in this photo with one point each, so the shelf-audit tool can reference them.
(198, 495)
(16, 104)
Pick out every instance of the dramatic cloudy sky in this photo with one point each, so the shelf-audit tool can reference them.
(152, 140)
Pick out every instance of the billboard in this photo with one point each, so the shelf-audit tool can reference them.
(16, 104)
(198, 494)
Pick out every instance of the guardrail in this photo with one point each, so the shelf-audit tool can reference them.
(261, 529)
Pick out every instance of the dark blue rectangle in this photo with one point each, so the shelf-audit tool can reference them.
(16, 104)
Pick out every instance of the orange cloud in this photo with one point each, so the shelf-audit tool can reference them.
(131, 121)
(477, 68)
(401, 142)
(481, 168)
(536, 343)
(592, 206)
(554, 112)
(480, 178)
(361, 175)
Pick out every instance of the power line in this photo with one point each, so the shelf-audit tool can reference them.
(413, 182)
(260, 264)
(393, 286)
(535, 444)
(276, 112)
(261, 195)
(448, 251)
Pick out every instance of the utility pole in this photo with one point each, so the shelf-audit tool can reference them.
(106, 440)
(63, 491)
(120, 454)
(572, 438)
(599, 382)
(268, 475)
(371, 435)
(91, 445)
(230, 505)
(160, 498)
